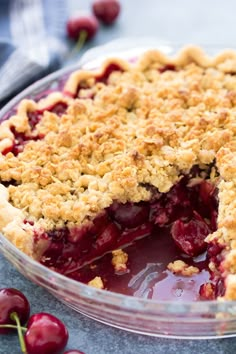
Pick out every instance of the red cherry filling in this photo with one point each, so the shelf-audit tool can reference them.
(20, 139)
(82, 86)
(34, 118)
(103, 77)
(58, 108)
(109, 69)
(129, 215)
(214, 252)
(19, 142)
(189, 236)
(183, 218)
(106, 239)
(167, 67)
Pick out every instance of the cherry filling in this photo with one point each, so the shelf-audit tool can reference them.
(58, 108)
(103, 77)
(109, 69)
(167, 67)
(170, 227)
(20, 139)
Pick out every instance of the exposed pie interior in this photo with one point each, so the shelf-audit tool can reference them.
(125, 162)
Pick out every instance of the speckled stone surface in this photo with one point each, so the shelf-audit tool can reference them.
(182, 21)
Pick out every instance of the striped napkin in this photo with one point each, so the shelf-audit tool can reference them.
(32, 42)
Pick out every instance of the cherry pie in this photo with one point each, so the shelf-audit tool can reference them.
(129, 170)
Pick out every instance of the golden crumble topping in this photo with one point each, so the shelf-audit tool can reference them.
(180, 267)
(96, 283)
(119, 260)
(143, 126)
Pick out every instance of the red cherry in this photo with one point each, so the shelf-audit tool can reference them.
(106, 11)
(74, 351)
(13, 301)
(76, 25)
(107, 239)
(190, 236)
(129, 215)
(45, 334)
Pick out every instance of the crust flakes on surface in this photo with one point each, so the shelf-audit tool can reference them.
(142, 126)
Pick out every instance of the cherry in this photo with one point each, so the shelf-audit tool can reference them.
(106, 11)
(129, 215)
(84, 25)
(107, 239)
(13, 303)
(45, 334)
(190, 236)
(74, 351)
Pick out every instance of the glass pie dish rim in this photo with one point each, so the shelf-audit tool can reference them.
(132, 305)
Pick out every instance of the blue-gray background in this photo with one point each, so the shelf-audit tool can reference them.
(178, 21)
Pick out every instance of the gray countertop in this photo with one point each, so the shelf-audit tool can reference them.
(183, 21)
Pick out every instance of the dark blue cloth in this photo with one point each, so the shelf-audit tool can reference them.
(32, 41)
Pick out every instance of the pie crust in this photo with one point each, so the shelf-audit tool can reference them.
(125, 126)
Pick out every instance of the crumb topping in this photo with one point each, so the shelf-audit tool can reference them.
(119, 260)
(96, 283)
(142, 126)
(182, 268)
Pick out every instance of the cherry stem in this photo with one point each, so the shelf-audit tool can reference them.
(24, 329)
(81, 40)
(15, 317)
(79, 44)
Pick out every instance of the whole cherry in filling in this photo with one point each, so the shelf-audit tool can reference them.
(158, 235)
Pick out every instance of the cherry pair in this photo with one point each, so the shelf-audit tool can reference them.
(44, 333)
(85, 27)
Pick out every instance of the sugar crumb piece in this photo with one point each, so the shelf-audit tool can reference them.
(180, 267)
(96, 283)
(119, 260)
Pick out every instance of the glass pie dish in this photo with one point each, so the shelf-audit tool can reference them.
(185, 319)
